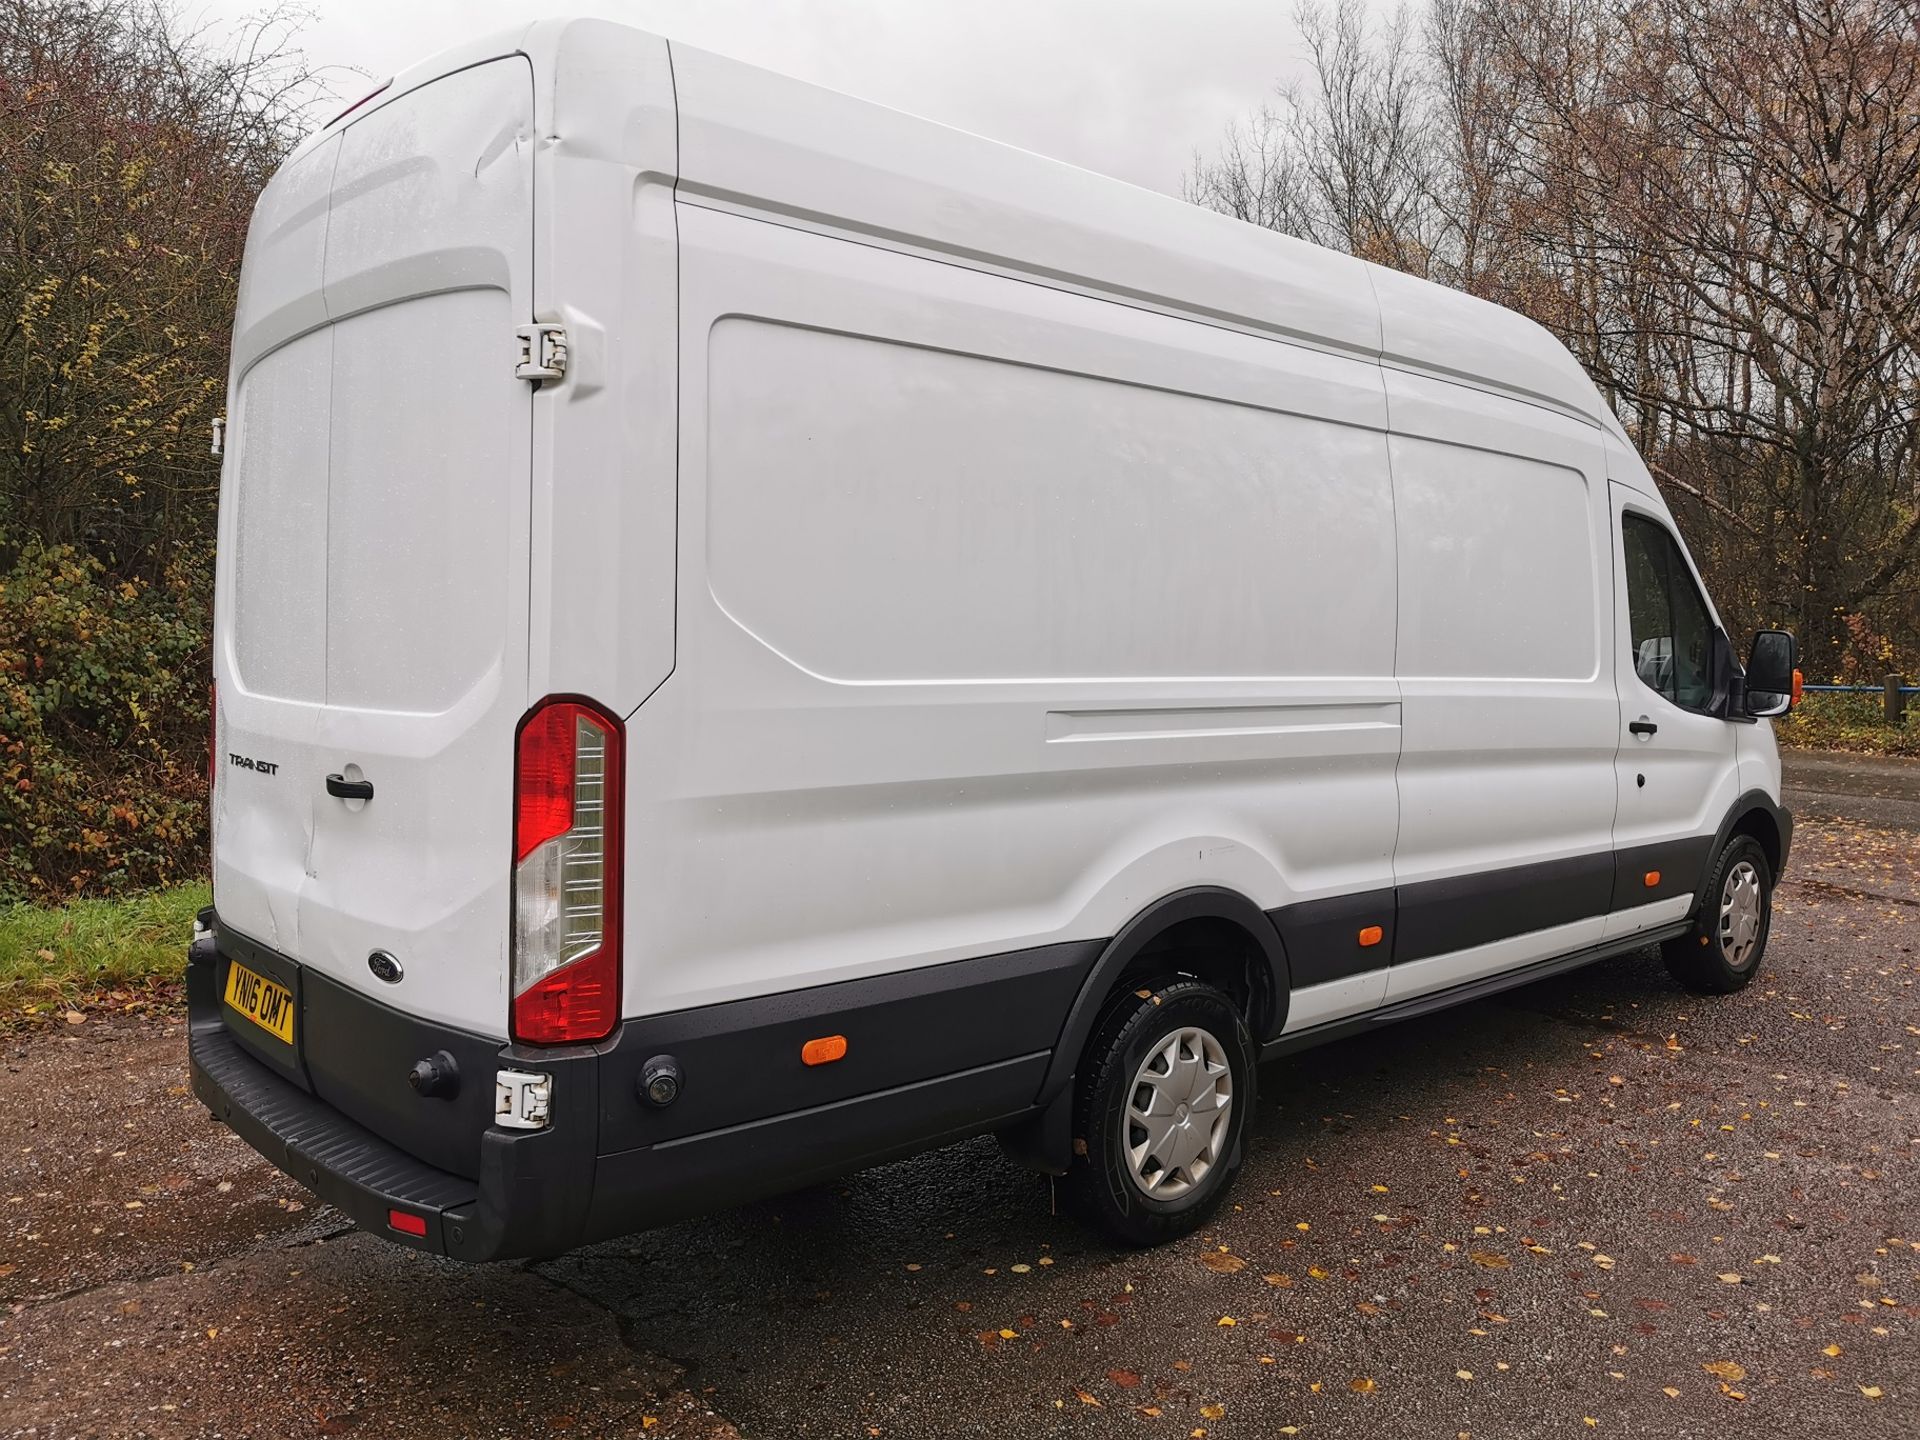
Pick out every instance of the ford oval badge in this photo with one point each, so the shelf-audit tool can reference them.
(384, 967)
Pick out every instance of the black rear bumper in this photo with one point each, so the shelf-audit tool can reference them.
(933, 1057)
(529, 1196)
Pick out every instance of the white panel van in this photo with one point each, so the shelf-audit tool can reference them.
(757, 635)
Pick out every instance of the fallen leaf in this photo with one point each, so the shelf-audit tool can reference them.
(74, 1017)
(1087, 1399)
(1488, 1260)
(1670, 1392)
(1021, 1269)
(1463, 1374)
(1283, 1281)
(1009, 1334)
(1227, 1320)
(1832, 1352)
(1213, 1412)
(1728, 1277)
(1222, 1263)
(1872, 1392)
(1125, 1379)
(1362, 1386)
(1728, 1370)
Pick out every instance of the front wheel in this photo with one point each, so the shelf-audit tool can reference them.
(1165, 1091)
(1722, 953)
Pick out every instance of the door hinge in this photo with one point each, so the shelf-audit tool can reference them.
(543, 353)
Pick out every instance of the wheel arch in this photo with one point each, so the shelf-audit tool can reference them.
(1236, 935)
(1755, 813)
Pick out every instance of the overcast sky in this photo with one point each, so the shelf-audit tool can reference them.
(1126, 87)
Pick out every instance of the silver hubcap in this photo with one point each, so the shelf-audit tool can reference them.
(1740, 914)
(1177, 1111)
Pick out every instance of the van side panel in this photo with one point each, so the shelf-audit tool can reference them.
(1004, 612)
(1510, 719)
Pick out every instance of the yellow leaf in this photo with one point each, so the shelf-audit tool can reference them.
(1872, 1392)
(1588, 1420)
(1488, 1260)
(1463, 1374)
(1730, 1278)
(648, 1422)
(1303, 1225)
(1832, 1352)
(1009, 1334)
(1086, 1399)
(1670, 1392)
(1226, 1320)
(1222, 1263)
(1213, 1412)
(1379, 1189)
(1362, 1385)
(1316, 1272)
(1728, 1370)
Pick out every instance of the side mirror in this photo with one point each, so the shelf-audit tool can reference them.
(1773, 685)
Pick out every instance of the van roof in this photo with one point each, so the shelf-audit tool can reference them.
(758, 139)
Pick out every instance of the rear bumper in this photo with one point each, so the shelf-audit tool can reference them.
(607, 1164)
(528, 1198)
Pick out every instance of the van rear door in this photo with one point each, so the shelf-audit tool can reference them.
(371, 619)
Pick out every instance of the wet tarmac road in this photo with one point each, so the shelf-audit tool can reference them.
(1595, 1205)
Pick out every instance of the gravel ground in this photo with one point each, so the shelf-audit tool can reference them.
(1596, 1205)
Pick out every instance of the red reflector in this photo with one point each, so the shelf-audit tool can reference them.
(577, 1002)
(406, 1224)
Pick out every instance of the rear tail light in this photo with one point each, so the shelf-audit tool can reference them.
(566, 874)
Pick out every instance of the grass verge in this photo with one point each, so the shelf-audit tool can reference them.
(55, 958)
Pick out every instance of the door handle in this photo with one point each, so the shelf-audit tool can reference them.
(1643, 726)
(342, 788)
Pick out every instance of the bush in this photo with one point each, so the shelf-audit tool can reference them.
(1824, 720)
(103, 725)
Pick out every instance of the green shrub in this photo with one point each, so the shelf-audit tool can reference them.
(103, 725)
(1824, 720)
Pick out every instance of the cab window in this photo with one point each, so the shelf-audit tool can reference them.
(1671, 625)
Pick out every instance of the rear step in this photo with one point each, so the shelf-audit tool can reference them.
(379, 1187)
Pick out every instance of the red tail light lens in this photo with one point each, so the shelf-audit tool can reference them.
(568, 802)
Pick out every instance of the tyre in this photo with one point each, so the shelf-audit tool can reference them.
(1164, 1092)
(1722, 953)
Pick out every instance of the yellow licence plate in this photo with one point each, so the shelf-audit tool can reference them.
(268, 1005)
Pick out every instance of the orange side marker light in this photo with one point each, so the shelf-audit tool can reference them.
(1652, 877)
(1370, 936)
(1799, 683)
(824, 1051)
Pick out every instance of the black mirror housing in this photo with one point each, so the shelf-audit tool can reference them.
(1770, 673)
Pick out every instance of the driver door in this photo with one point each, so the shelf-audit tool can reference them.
(1676, 770)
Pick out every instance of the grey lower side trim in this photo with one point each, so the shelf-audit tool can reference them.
(1473, 990)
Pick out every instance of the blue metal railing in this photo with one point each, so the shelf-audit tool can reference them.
(1863, 689)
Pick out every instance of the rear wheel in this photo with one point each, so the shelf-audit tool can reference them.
(1165, 1089)
(1723, 952)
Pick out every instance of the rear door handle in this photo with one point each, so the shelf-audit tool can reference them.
(342, 788)
(1638, 727)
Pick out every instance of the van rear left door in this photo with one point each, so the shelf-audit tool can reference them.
(372, 604)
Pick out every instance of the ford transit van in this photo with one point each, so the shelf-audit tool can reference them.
(757, 635)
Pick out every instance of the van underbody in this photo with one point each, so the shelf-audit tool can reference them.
(756, 636)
